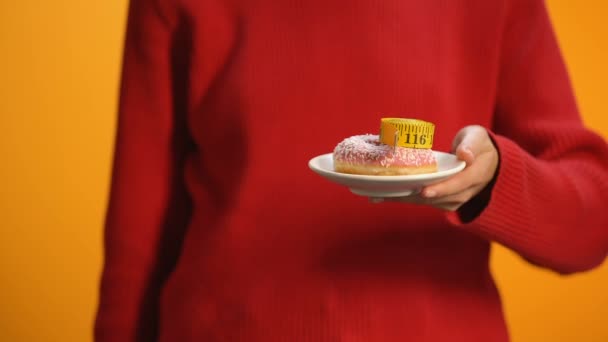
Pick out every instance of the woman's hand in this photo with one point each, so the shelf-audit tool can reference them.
(473, 145)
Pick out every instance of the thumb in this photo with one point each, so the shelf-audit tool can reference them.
(468, 142)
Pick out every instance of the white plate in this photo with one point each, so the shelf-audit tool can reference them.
(387, 186)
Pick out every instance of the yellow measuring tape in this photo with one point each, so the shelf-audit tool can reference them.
(407, 133)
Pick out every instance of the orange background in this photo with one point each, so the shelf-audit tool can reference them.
(59, 67)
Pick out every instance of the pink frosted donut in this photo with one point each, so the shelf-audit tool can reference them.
(365, 155)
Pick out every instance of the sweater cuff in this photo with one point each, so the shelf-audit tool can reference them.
(493, 220)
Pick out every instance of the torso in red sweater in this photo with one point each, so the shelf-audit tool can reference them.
(224, 102)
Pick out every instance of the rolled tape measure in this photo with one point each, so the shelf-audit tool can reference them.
(410, 133)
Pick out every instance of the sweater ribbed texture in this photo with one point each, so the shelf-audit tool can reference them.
(216, 229)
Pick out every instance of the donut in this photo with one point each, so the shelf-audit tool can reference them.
(366, 155)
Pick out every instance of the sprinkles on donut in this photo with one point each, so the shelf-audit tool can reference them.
(367, 155)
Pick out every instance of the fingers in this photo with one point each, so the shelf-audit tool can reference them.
(451, 202)
(469, 142)
(469, 177)
(469, 146)
(454, 201)
(465, 153)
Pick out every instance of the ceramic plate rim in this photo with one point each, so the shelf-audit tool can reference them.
(314, 165)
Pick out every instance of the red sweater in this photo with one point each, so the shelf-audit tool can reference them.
(218, 231)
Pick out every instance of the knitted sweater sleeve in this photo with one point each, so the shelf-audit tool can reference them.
(548, 202)
(148, 206)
